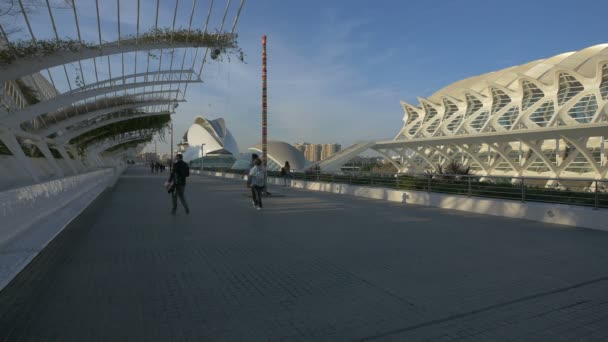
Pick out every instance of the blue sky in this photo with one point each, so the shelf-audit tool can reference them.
(338, 69)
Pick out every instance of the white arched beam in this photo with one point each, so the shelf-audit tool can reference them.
(62, 100)
(499, 148)
(387, 157)
(29, 65)
(535, 147)
(105, 102)
(424, 156)
(79, 118)
(580, 145)
(109, 143)
(473, 156)
(163, 75)
(64, 138)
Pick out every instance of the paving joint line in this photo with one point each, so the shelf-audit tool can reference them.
(484, 309)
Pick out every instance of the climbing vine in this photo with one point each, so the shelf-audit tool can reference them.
(143, 126)
(29, 48)
(221, 44)
(129, 144)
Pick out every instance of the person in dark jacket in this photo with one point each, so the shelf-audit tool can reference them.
(180, 172)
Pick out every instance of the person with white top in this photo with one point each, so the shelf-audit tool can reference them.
(257, 181)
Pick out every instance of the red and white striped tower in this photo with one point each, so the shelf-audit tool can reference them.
(264, 106)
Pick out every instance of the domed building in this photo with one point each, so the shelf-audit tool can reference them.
(545, 118)
(278, 153)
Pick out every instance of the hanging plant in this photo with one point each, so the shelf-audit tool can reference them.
(225, 43)
(44, 47)
(220, 44)
(129, 144)
(142, 125)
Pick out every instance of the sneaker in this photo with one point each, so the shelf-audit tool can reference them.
(187, 211)
(258, 208)
(254, 205)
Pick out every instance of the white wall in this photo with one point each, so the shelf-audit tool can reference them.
(31, 216)
(569, 215)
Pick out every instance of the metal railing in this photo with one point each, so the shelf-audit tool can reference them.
(582, 192)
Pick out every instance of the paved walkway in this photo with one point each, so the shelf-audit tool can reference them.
(310, 267)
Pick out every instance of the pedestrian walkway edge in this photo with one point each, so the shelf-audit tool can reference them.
(567, 215)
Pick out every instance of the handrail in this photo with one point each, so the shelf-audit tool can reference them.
(573, 191)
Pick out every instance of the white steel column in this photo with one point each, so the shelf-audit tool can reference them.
(67, 158)
(44, 148)
(13, 145)
(602, 152)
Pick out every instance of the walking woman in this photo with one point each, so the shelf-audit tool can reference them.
(285, 172)
(257, 180)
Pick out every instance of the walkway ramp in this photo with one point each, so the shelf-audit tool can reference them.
(310, 266)
(335, 162)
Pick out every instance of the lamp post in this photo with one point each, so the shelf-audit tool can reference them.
(171, 164)
(202, 157)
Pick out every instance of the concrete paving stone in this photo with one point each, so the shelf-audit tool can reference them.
(309, 267)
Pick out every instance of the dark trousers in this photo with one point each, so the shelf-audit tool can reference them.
(256, 193)
(179, 192)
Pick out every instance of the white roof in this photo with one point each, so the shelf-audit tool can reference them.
(582, 61)
(280, 152)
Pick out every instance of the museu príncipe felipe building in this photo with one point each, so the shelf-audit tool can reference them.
(547, 118)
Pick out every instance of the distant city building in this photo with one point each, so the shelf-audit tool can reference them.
(317, 152)
(329, 150)
(313, 152)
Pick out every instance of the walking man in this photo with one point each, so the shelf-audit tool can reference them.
(181, 171)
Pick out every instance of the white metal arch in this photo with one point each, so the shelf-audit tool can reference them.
(109, 143)
(60, 101)
(30, 65)
(79, 118)
(64, 138)
(155, 75)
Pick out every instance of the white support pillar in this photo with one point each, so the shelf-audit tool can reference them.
(520, 157)
(559, 156)
(67, 158)
(12, 144)
(602, 152)
(44, 148)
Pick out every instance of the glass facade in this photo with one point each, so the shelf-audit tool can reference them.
(508, 119)
(584, 110)
(473, 105)
(499, 100)
(543, 114)
(569, 87)
(532, 94)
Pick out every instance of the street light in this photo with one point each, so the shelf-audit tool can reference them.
(202, 156)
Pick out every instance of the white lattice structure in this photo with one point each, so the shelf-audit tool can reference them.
(53, 91)
(546, 118)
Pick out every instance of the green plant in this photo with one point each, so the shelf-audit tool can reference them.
(143, 125)
(43, 47)
(129, 144)
(226, 43)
